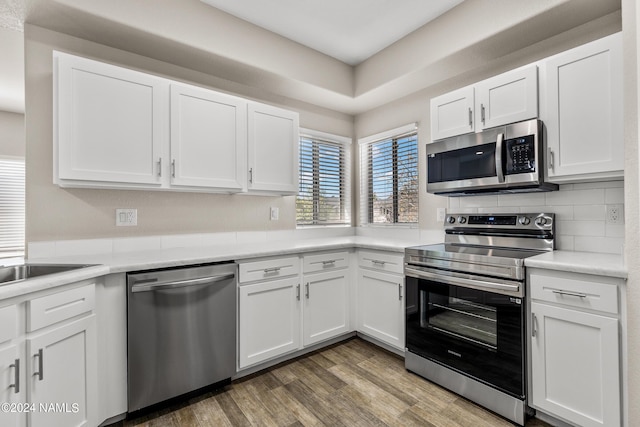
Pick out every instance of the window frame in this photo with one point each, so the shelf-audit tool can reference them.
(344, 144)
(365, 209)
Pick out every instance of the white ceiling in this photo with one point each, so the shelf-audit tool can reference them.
(348, 30)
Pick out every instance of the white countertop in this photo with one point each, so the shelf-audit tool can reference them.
(611, 265)
(579, 262)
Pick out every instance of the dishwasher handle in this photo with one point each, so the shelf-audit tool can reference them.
(181, 283)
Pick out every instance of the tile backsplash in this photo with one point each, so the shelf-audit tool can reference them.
(581, 213)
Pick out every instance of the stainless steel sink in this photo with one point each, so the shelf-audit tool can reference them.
(15, 273)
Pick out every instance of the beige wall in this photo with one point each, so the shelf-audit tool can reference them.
(54, 213)
(12, 142)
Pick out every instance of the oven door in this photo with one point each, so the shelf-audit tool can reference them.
(475, 332)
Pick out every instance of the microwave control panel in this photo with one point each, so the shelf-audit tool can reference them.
(521, 155)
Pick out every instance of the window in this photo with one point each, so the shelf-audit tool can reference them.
(389, 177)
(324, 195)
(11, 207)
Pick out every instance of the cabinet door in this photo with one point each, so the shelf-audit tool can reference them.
(273, 149)
(326, 306)
(12, 386)
(208, 139)
(508, 98)
(109, 122)
(380, 306)
(63, 375)
(269, 320)
(452, 113)
(575, 365)
(583, 111)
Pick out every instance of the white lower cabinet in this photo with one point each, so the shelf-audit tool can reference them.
(63, 375)
(381, 297)
(269, 320)
(575, 348)
(49, 367)
(326, 297)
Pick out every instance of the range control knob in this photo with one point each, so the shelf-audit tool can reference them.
(524, 220)
(541, 220)
(451, 219)
(462, 219)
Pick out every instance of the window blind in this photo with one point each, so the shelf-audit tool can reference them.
(389, 180)
(324, 185)
(12, 209)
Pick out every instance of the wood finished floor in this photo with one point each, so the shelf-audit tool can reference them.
(353, 383)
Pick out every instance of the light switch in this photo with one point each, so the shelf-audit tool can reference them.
(275, 213)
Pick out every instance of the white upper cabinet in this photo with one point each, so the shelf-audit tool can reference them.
(582, 109)
(119, 128)
(109, 122)
(208, 139)
(273, 149)
(507, 98)
(452, 113)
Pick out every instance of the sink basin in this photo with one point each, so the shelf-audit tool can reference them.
(15, 273)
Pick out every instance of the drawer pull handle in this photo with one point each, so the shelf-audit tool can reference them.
(534, 325)
(378, 262)
(272, 270)
(40, 372)
(16, 383)
(571, 294)
(329, 262)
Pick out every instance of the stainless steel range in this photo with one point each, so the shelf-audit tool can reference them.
(465, 308)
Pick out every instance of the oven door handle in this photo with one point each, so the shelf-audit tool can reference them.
(466, 281)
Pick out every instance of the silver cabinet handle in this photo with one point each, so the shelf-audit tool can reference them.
(181, 283)
(16, 381)
(378, 262)
(400, 291)
(271, 270)
(499, 166)
(482, 113)
(329, 262)
(40, 372)
(298, 291)
(470, 117)
(534, 325)
(160, 167)
(251, 175)
(567, 293)
(550, 158)
(173, 168)
(307, 290)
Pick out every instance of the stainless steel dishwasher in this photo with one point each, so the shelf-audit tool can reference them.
(181, 331)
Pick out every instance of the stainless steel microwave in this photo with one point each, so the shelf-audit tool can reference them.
(505, 159)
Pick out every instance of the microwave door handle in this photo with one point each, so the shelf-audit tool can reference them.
(499, 165)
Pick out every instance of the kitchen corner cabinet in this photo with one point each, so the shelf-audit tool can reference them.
(381, 297)
(581, 106)
(50, 363)
(124, 129)
(273, 138)
(326, 296)
(575, 347)
(506, 98)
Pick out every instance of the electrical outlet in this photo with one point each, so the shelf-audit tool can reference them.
(442, 213)
(126, 217)
(275, 213)
(615, 214)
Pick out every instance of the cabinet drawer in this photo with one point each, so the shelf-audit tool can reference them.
(324, 262)
(575, 292)
(9, 322)
(381, 261)
(64, 305)
(269, 269)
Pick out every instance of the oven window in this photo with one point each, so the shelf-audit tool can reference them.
(460, 317)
